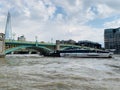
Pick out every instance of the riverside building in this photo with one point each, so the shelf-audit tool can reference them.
(70, 41)
(112, 39)
(22, 38)
(89, 44)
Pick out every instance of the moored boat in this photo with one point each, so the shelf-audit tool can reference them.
(82, 53)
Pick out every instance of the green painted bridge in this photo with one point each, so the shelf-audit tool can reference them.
(43, 48)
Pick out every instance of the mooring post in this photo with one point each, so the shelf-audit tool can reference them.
(2, 45)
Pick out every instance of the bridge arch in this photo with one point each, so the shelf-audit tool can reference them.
(42, 49)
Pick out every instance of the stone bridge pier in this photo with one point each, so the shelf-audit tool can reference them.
(2, 45)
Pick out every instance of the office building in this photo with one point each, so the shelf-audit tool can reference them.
(112, 39)
(8, 28)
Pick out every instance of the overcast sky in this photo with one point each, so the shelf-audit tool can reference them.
(61, 19)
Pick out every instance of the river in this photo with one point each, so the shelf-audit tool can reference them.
(47, 73)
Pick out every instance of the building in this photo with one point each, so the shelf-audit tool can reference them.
(21, 38)
(68, 42)
(8, 28)
(89, 44)
(112, 39)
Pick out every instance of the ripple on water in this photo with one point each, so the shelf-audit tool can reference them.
(25, 73)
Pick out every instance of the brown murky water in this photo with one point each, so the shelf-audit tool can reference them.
(43, 73)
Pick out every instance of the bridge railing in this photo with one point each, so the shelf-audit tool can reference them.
(28, 42)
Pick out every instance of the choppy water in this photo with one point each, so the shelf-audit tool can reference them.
(43, 73)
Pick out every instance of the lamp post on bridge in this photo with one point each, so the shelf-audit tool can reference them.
(13, 38)
(51, 40)
(36, 43)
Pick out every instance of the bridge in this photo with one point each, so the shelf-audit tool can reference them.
(13, 46)
(8, 46)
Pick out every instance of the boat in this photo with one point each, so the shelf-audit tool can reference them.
(82, 53)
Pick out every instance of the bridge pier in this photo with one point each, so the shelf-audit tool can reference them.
(2, 45)
(12, 52)
(30, 52)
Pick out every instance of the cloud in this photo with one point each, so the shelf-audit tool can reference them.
(112, 24)
(60, 19)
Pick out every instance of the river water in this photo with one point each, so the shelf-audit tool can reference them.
(47, 73)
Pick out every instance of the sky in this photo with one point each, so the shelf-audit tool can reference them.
(52, 20)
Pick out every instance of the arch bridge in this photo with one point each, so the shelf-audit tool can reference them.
(42, 48)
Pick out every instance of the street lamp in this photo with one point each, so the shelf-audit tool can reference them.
(36, 43)
(51, 40)
(13, 36)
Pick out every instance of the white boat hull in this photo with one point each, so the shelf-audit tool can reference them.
(86, 55)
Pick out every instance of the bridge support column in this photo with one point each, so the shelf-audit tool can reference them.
(2, 45)
(12, 52)
(57, 45)
(30, 52)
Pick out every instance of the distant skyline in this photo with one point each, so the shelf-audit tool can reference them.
(60, 19)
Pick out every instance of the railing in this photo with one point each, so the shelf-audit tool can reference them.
(28, 42)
